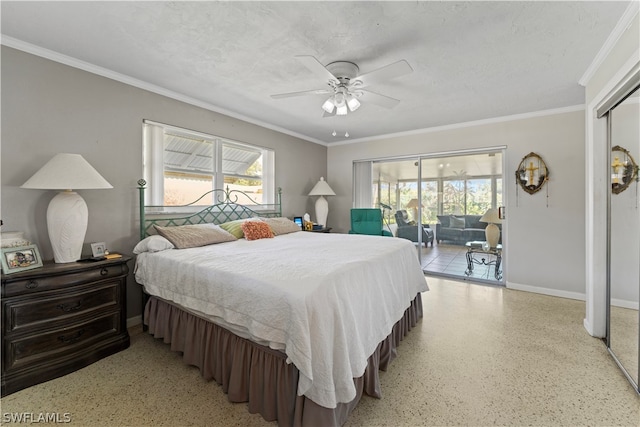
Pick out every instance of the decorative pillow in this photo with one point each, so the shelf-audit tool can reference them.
(473, 221)
(153, 243)
(282, 225)
(235, 227)
(191, 236)
(444, 220)
(254, 230)
(455, 222)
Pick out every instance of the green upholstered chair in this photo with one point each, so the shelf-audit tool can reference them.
(367, 221)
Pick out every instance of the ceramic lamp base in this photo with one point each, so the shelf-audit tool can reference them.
(322, 210)
(492, 235)
(67, 219)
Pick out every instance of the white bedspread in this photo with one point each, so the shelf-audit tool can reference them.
(326, 300)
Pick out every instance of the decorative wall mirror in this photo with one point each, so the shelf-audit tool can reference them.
(532, 173)
(624, 169)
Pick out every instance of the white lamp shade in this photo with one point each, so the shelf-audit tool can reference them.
(322, 189)
(491, 216)
(67, 214)
(328, 105)
(66, 172)
(353, 103)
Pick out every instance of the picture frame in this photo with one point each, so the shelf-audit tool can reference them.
(502, 212)
(532, 173)
(98, 249)
(20, 258)
(624, 169)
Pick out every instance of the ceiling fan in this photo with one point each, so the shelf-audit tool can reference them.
(345, 86)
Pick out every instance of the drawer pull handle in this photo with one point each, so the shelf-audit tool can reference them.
(31, 285)
(73, 338)
(68, 307)
(104, 272)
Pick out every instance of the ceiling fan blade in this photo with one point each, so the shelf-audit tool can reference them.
(387, 72)
(325, 114)
(316, 67)
(381, 100)
(302, 93)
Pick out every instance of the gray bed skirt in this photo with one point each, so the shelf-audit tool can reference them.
(252, 373)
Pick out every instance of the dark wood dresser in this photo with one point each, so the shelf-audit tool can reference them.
(61, 317)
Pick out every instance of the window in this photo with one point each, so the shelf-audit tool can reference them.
(478, 196)
(181, 165)
(453, 196)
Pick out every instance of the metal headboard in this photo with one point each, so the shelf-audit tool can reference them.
(225, 209)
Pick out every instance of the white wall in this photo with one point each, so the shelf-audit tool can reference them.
(49, 108)
(543, 244)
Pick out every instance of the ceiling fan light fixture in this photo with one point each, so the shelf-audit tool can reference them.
(342, 109)
(352, 103)
(328, 105)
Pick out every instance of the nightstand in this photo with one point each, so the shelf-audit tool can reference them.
(321, 230)
(61, 317)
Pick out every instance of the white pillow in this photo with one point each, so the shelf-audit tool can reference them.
(153, 243)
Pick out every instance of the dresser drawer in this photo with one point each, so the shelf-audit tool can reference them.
(55, 345)
(59, 318)
(39, 283)
(33, 312)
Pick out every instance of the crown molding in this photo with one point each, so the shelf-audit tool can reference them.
(622, 26)
(131, 81)
(462, 125)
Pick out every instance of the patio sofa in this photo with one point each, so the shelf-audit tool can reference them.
(460, 229)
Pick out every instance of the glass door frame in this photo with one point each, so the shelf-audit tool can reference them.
(419, 159)
(635, 382)
(470, 152)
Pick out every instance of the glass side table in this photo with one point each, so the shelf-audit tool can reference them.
(478, 252)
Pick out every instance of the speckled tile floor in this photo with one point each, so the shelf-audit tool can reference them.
(481, 356)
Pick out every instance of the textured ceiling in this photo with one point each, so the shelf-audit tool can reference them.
(471, 61)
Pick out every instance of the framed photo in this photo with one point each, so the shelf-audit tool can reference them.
(98, 249)
(20, 258)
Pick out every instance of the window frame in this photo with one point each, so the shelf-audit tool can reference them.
(154, 166)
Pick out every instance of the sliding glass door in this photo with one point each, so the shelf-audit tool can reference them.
(623, 281)
(458, 191)
(438, 202)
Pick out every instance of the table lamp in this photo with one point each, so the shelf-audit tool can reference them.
(322, 206)
(67, 214)
(492, 232)
(413, 205)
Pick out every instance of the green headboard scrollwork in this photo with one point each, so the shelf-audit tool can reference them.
(225, 207)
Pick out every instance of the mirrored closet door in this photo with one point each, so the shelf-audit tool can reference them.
(623, 325)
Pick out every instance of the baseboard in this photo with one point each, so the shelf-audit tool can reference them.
(547, 291)
(134, 321)
(625, 304)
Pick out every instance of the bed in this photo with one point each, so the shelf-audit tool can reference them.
(296, 324)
